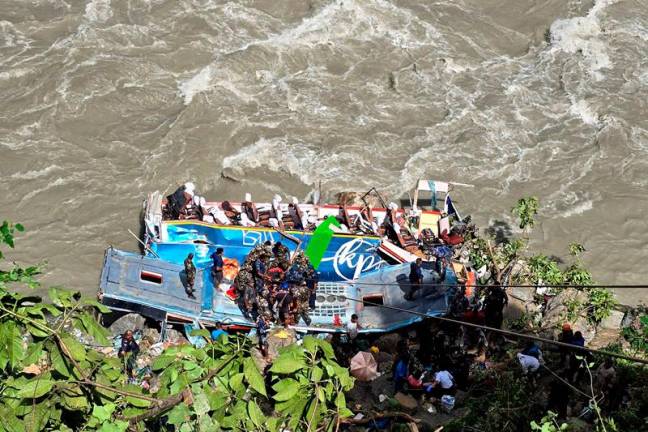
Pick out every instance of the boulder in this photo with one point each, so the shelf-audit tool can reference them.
(406, 401)
(556, 311)
(585, 328)
(382, 385)
(174, 337)
(613, 322)
(384, 360)
(525, 294)
(277, 338)
(387, 343)
(152, 335)
(518, 308)
(131, 321)
(603, 338)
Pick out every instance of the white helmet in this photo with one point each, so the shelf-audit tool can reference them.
(190, 188)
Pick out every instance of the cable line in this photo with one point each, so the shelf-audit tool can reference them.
(505, 332)
(407, 283)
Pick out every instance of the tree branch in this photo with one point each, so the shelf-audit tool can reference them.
(186, 395)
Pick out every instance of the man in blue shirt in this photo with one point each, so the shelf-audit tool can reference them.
(218, 332)
(259, 268)
(217, 267)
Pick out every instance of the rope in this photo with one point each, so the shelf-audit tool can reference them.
(567, 383)
(501, 285)
(504, 332)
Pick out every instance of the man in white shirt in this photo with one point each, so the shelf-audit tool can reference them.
(442, 384)
(444, 379)
(352, 327)
(528, 363)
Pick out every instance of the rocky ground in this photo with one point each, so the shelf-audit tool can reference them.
(526, 308)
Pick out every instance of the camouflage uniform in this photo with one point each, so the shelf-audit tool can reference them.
(282, 255)
(245, 286)
(263, 304)
(312, 277)
(190, 272)
(302, 294)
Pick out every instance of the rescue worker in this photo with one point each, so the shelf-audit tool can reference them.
(263, 305)
(459, 304)
(494, 304)
(283, 301)
(262, 334)
(415, 278)
(312, 278)
(565, 337)
(217, 267)
(190, 272)
(259, 269)
(281, 255)
(244, 282)
(302, 294)
(129, 346)
(295, 274)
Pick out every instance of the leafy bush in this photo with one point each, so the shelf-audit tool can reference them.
(575, 249)
(549, 423)
(51, 380)
(638, 337)
(545, 270)
(506, 407)
(526, 209)
(577, 275)
(601, 301)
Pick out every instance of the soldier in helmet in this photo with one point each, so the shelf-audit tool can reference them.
(281, 255)
(295, 274)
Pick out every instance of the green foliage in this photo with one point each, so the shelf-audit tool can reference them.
(525, 210)
(545, 270)
(504, 404)
(512, 248)
(479, 253)
(577, 275)
(15, 274)
(574, 308)
(601, 302)
(549, 423)
(638, 336)
(575, 249)
(314, 393)
(51, 379)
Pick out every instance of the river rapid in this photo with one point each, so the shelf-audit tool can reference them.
(106, 100)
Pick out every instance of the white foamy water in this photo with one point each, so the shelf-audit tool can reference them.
(106, 100)
(98, 11)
